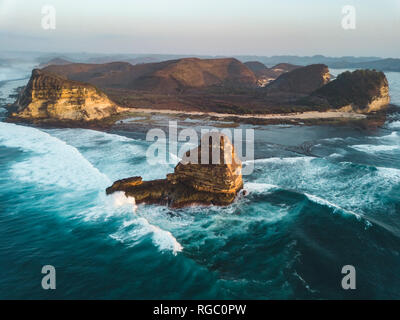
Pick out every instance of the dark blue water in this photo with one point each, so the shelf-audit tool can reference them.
(319, 198)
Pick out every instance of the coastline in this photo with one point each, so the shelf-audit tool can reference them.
(308, 118)
(308, 115)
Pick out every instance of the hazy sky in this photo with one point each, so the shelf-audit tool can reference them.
(217, 27)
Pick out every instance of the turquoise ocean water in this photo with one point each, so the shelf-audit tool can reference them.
(319, 198)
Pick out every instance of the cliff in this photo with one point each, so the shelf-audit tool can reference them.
(197, 179)
(359, 91)
(302, 80)
(51, 97)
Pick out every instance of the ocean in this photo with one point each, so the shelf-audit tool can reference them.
(320, 197)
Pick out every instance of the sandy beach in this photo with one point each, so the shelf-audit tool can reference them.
(286, 116)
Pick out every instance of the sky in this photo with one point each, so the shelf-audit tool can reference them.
(203, 27)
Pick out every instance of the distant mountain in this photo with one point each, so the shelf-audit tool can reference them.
(298, 60)
(168, 76)
(55, 61)
(387, 64)
(381, 65)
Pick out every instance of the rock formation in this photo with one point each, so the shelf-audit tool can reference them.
(50, 97)
(209, 175)
(359, 91)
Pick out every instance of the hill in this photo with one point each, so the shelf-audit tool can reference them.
(163, 77)
(266, 75)
(302, 80)
(360, 91)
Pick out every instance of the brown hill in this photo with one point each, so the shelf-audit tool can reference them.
(266, 75)
(304, 80)
(109, 75)
(284, 67)
(255, 66)
(163, 77)
(361, 91)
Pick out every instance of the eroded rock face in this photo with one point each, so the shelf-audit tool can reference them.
(209, 174)
(48, 96)
(361, 91)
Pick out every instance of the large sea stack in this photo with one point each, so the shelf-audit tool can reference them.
(49, 97)
(210, 174)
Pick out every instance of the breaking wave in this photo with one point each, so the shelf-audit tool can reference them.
(51, 161)
(369, 148)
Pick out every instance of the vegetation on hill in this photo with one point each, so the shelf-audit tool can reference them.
(301, 80)
(359, 88)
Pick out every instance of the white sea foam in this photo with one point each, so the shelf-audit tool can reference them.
(393, 136)
(134, 230)
(120, 199)
(394, 125)
(86, 137)
(333, 139)
(389, 174)
(51, 161)
(288, 160)
(335, 155)
(370, 148)
(259, 187)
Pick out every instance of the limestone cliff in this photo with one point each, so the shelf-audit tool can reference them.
(51, 97)
(208, 175)
(362, 91)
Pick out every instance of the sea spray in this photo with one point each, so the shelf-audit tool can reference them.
(163, 239)
(120, 199)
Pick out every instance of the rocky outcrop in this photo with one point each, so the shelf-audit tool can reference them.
(304, 80)
(209, 175)
(51, 97)
(361, 91)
